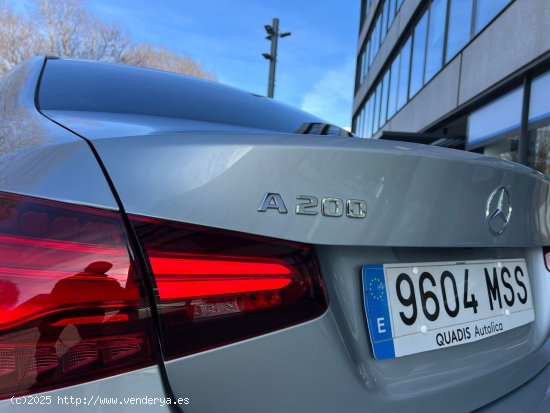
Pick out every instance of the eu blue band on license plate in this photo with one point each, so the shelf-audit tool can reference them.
(378, 313)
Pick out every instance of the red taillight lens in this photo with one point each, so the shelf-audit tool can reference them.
(71, 306)
(183, 276)
(215, 286)
(546, 253)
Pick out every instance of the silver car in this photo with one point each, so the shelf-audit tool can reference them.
(170, 244)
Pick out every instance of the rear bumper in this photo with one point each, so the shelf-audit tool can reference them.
(136, 391)
(532, 397)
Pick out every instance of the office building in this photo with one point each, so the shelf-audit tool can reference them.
(468, 74)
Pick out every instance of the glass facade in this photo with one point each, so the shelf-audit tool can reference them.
(538, 152)
(365, 8)
(418, 55)
(363, 56)
(375, 43)
(368, 122)
(460, 26)
(382, 23)
(377, 96)
(384, 100)
(394, 83)
(434, 39)
(404, 66)
(494, 129)
(486, 11)
(514, 125)
(504, 149)
(391, 12)
(539, 104)
(496, 118)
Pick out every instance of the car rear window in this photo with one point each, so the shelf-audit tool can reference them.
(101, 87)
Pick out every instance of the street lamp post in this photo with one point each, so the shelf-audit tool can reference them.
(273, 35)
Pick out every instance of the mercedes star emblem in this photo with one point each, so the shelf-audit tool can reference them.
(499, 210)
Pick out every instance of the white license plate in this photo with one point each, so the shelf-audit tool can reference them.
(419, 307)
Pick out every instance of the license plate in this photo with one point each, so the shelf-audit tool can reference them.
(419, 307)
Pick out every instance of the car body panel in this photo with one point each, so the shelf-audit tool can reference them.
(103, 395)
(532, 397)
(86, 86)
(219, 180)
(100, 125)
(40, 158)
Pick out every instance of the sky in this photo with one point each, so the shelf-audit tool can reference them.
(315, 65)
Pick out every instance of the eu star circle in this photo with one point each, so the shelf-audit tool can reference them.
(376, 288)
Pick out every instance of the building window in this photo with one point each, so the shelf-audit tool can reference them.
(368, 122)
(394, 79)
(506, 148)
(418, 55)
(460, 24)
(366, 8)
(375, 41)
(538, 155)
(360, 123)
(377, 97)
(496, 119)
(436, 38)
(404, 65)
(383, 22)
(487, 10)
(539, 105)
(362, 63)
(384, 101)
(368, 56)
(391, 12)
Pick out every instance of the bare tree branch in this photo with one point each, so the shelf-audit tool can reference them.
(65, 28)
(158, 57)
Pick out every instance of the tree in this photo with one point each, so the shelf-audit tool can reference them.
(18, 39)
(65, 28)
(158, 57)
(69, 30)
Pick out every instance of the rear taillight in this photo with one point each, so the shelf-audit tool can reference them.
(546, 253)
(215, 287)
(71, 301)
